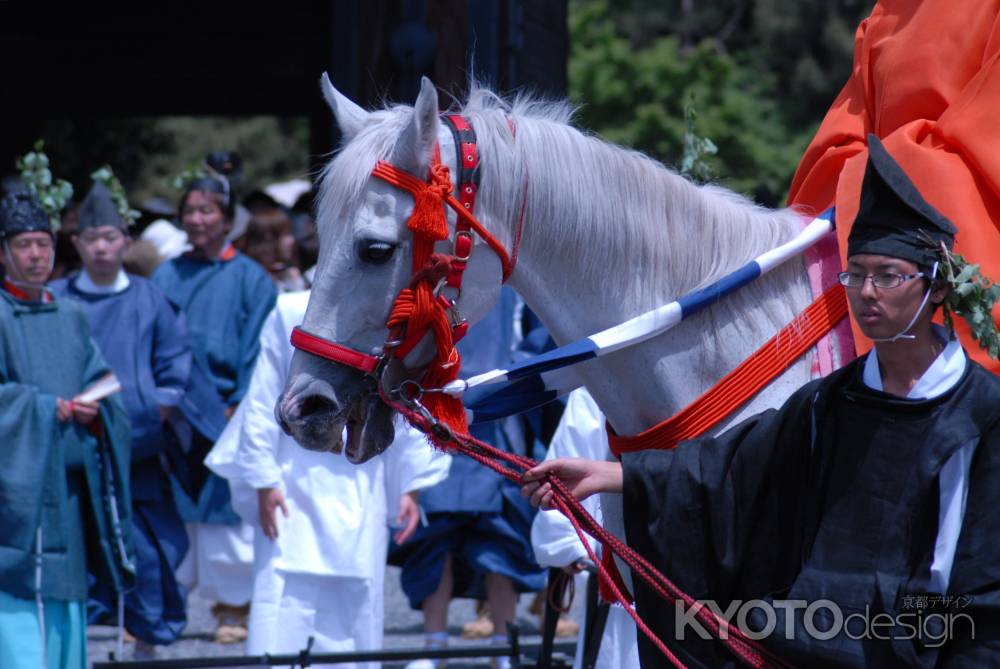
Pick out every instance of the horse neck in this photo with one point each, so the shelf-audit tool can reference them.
(581, 275)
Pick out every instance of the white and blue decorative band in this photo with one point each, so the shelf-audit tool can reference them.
(543, 378)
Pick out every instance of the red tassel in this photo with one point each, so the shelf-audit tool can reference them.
(447, 409)
(428, 218)
(416, 310)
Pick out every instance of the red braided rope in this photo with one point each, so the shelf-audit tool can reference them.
(416, 186)
(619, 597)
(749, 651)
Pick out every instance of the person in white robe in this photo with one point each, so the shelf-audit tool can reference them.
(581, 433)
(321, 523)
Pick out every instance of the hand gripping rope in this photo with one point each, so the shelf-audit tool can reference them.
(512, 466)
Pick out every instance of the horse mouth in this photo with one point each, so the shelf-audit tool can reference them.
(318, 425)
(369, 429)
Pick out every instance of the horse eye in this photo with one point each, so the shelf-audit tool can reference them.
(375, 252)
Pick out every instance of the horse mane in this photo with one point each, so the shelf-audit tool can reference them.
(678, 235)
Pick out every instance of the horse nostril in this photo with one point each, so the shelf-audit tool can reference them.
(316, 404)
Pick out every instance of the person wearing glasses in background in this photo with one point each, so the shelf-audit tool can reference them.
(870, 496)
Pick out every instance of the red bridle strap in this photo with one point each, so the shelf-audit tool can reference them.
(421, 307)
(403, 179)
(324, 348)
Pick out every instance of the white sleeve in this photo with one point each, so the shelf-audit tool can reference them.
(953, 482)
(257, 455)
(580, 433)
(411, 463)
(222, 458)
(251, 437)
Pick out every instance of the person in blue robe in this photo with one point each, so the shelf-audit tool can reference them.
(145, 343)
(64, 464)
(225, 298)
(476, 541)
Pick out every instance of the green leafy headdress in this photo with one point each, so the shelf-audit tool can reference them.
(106, 203)
(972, 297)
(52, 194)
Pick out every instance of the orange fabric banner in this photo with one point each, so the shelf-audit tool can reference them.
(926, 81)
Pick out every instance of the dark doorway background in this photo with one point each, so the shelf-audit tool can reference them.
(95, 66)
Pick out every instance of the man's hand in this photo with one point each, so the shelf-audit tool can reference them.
(230, 410)
(583, 478)
(583, 564)
(409, 516)
(269, 499)
(82, 412)
(64, 410)
(164, 413)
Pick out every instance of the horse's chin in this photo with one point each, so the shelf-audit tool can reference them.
(369, 431)
(322, 433)
(368, 423)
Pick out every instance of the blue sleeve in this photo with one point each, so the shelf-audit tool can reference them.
(536, 338)
(261, 295)
(163, 280)
(30, 431)
(157, 278)
(76, 440)
(171, 354)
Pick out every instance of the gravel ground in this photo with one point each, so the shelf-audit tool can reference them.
(403, 629)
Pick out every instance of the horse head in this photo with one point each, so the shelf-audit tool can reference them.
(366, 252)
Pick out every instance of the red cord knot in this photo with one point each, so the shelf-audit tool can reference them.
(436, 268)
(428, 217)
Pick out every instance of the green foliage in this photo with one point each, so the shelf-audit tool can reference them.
(761, 73)
(192, 172)
(52, 194)
(972, 297)
(107, 177)
(149, 152)
(696, 149)
(273, 149)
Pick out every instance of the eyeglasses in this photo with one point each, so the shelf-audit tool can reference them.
(881, 280)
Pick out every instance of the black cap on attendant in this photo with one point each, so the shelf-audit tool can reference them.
(21, 212)
(98, 209)
(893, 217)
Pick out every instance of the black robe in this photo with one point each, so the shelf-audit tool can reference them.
(834, 496)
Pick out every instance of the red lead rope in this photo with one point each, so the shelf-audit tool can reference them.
(749, 651)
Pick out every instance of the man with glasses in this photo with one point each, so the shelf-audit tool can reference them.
(146, 345)
(862, 514)
(63, 459)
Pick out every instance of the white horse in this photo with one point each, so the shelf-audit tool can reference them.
(608, 233)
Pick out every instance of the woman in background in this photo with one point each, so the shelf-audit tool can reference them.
(268, 240)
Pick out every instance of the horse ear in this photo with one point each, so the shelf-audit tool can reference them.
(350, 117)
(416, 145)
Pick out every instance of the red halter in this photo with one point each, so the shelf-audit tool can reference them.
(422, 306)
